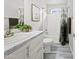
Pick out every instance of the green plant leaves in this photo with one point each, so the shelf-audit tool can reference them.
(23, 27)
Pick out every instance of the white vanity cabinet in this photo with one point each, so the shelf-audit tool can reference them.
(21, 53)
(30, 48)
(36, 48)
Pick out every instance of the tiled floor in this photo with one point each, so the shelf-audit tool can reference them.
(56, 51)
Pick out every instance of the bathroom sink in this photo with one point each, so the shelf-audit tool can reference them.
(17, 37)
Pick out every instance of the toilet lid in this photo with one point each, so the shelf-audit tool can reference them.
(47, 40)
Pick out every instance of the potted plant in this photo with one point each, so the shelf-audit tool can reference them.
(18, 26)
(24, 28)
(29, 27)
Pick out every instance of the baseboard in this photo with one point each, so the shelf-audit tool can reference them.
(71, 49)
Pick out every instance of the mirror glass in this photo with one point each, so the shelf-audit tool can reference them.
(13, 13)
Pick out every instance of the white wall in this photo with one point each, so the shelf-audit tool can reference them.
(11, 7)
(6, 24)
(27, 13)
(44, 19)
(71, 13)
(70, 6)
(11, 10)
(56, 1)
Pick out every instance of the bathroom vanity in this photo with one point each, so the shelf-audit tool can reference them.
(24, 45)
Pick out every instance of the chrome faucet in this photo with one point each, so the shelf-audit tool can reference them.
(8, 34)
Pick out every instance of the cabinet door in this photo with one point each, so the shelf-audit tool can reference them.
(40, 55)
(39, 52)
(19, 54)
(35, 42)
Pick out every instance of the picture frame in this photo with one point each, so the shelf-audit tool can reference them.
(35, 11)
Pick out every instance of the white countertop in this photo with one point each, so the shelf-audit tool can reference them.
(18, 39)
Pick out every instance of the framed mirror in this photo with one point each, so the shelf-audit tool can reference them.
(35, 11)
